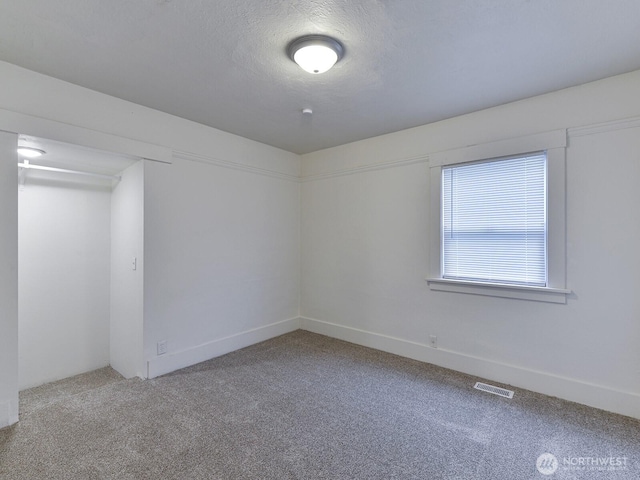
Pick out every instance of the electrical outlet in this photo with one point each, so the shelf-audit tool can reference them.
(433, 341)
(162, 347)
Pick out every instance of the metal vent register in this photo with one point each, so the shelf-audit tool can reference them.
(503, 392)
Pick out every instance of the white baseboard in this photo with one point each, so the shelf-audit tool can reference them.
(174, 361)
(8, 414)
(617, 401)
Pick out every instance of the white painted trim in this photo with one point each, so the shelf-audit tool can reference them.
(367, 168)
(633, 122)
(501, 148)
(8, 414)
(5, 421)
(556, 211)
(170, 362)
(598, 396)
(193, 157)
(63, 132)
(538, 294)
(541, 141)
(555, 139)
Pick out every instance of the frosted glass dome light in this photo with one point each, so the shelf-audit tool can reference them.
(315, 53)
(30, 152)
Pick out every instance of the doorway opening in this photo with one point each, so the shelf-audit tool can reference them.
(80, 262)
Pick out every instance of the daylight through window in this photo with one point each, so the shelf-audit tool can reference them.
(494, 221)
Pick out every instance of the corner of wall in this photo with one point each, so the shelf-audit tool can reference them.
(167, 363)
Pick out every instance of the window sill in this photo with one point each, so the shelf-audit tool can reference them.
(538, 294)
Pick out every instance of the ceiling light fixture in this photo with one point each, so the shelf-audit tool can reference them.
(315, 53)
(30, 152)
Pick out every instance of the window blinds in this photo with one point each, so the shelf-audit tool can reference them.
(494, 221)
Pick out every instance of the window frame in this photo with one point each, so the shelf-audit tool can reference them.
(554, 144)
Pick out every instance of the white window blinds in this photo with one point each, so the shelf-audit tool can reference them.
(494, 221)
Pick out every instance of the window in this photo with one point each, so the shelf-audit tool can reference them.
(494, 221)
(498, 221)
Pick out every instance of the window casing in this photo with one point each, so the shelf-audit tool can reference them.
(520, 251)
(494, 221)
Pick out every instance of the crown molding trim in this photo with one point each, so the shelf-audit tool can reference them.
(367, 168)
(193, 157)
(633, 122)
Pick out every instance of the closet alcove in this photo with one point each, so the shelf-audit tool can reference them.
(80, 262)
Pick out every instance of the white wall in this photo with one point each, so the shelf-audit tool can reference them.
(365, 244)
(221, 252)
(64, 251)
(127, 244)
(222, 191)
(8, 279)
(222, 259)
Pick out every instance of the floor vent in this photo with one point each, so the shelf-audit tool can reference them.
(503, 392)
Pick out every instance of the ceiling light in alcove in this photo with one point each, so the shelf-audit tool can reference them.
(315, 53)
(30, 152)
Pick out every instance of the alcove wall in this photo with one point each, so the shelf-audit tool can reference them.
(78, 236)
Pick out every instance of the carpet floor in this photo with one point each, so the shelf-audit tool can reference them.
(304, 406)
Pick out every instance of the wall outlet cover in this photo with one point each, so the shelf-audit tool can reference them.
(162, 347)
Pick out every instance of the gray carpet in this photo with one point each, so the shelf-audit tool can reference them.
(304, 406)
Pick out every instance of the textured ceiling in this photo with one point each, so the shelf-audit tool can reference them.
(223, 63)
